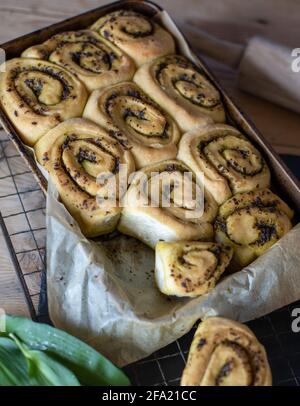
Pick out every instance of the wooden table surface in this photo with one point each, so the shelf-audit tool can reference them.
(234, 20)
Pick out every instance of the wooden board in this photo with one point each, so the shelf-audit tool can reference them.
(22, 205)
(12, 298)
(230, 19)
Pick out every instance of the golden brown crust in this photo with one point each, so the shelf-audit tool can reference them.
(170, 215)
(136, 121)
(37, 95)
(182, 90)
(189, 268)
(75, 153)
(226, 353)
(251, 223)
(229, 162)
(93, 59)
(141, 38)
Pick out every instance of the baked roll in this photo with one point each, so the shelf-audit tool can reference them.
(189, 268)
(37, 95)
(165, 202)
(136, 121)
(182, 90)
(76, 153)
(95, 61)
(226, 353)
(137, 35)
(229, 162)
(251, 223)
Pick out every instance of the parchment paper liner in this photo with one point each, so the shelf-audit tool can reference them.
(105, 293)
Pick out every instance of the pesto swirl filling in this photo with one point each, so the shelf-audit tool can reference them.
(41, 88)
(83, 160)
(227, 151)
(255, 225)
(139, 115)
(129, 23)
(187, 81)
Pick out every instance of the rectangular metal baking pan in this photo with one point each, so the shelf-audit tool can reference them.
(283, 181)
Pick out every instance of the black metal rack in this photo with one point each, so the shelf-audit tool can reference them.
(26, 245)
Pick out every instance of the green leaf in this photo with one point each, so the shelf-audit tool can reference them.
(34, 369)
(90, 367)
(13, 365)
(46, 370)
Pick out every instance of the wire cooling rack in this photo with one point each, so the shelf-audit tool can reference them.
(22, 205)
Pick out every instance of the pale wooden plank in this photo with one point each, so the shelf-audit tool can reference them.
(12, 298)
(231, 19)
(238, 20)
(22, 23)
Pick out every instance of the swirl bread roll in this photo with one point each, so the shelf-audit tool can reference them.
(189, 268)
(136, 121)
(37, 95)
(226, 353)
(75, 153)
(165, 202)
(230, 163)
(141, 38)
(95, 61)
(182, 90)
(251, 223)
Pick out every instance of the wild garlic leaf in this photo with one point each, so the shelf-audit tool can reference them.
(13, 365)
(90, 367)
(44, 369)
